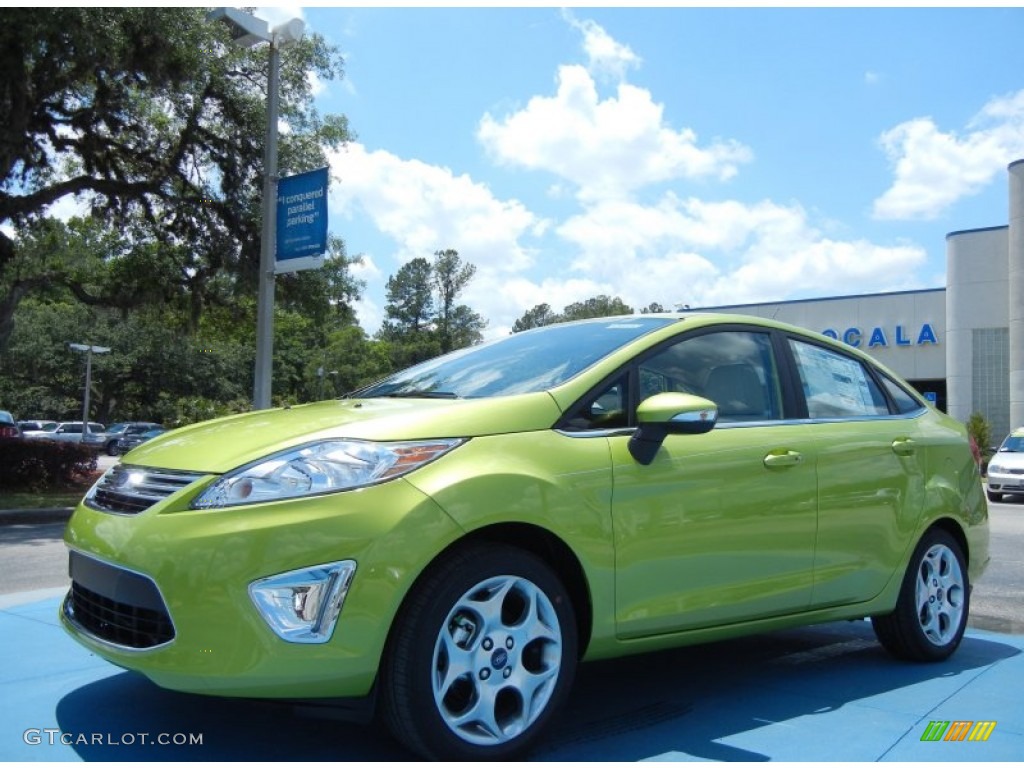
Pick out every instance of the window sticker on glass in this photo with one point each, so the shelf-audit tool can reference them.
(835, 385)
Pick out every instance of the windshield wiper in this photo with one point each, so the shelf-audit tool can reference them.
(428, 394)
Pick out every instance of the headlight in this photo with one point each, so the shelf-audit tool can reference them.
(322, 467)
(994, 468)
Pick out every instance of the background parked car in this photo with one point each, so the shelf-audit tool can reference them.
(125, 429)
(1006, 468)
(71, 432)
(37, 425)
(130, 440)
(8, 426)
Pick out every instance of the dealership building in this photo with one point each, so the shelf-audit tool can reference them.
(962, 345)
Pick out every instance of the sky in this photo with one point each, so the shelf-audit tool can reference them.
(678, 155)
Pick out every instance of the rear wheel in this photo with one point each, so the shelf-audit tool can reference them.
(481, 658)
(931, 613)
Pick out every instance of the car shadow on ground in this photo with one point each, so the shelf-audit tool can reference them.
(684, 701)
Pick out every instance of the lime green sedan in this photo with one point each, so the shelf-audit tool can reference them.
(442, 548)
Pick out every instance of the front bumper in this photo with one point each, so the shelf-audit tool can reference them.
(176, 584)
(1005, 482)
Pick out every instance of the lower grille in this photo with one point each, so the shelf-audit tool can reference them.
(117, 606)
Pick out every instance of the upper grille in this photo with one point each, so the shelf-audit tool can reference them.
(115, 605)
(128, 490)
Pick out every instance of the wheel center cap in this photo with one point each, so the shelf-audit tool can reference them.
(499, 658)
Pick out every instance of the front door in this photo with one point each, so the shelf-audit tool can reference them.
(720, 527)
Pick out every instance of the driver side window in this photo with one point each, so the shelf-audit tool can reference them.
(733, 369)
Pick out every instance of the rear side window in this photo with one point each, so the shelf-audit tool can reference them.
(905, 402)
(835, 385)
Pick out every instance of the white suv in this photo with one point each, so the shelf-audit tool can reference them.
(71, 432)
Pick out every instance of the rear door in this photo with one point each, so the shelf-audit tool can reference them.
(871, 455)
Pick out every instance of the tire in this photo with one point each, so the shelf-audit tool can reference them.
(997, 497)
(112, 448)
(481, 657)
(934, 602)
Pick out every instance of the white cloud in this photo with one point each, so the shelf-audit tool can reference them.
(279, 14)
(317, 86)
(934, 169)
(606, 56)
(68, 207)
(703, 254)
(607, 148)
(426, 208)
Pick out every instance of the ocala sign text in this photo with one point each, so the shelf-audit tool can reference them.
(903, 337)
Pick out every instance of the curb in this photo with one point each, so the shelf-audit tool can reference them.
(35, 516)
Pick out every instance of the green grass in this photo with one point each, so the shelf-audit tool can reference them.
(41, 499)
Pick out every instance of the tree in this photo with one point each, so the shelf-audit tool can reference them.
(422, 319)
(465, 328)
(154, 118)
(410, 301)
(457, 325)
(537, 317)
(409, 315)
(597, 306)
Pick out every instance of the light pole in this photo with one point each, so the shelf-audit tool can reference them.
(89, 350)
(322, 373)
(248, 31)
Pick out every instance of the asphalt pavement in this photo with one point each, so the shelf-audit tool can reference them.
(825, 693)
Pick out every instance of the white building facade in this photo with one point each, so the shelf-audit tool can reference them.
(962, 345)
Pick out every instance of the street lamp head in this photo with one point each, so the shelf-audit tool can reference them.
(246, 29)
(289, 32)
(89, 348)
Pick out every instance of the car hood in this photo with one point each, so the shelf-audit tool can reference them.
(223, 444)
(1008, 459)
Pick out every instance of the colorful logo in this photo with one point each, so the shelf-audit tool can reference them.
(958, 730)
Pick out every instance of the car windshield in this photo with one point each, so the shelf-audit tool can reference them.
(530, 361)
(1012, 445)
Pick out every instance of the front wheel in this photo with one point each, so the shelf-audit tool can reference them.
(931, 612)
(992, 496)
(481, 657)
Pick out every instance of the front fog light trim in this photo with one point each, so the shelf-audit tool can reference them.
(302, 606)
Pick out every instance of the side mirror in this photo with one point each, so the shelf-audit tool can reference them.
(670, 413)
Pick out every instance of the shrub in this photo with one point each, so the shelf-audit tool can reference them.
(980, 432)
(35, 465)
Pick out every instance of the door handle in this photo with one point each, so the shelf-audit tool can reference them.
(904, 446)
(783, 459)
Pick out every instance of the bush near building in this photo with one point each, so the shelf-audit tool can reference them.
(980, 432)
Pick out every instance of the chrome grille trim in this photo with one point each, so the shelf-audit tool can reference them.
(129, 490)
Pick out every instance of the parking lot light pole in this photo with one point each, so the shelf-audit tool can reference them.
(89, 350)
(249, 31)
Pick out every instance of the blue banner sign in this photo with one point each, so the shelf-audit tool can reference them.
(301, 221)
